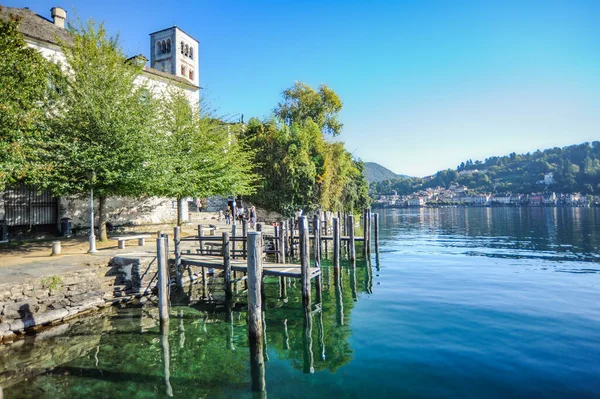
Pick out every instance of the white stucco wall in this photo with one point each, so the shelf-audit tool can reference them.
(123, 211)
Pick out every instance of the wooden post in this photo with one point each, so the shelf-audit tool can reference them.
(255, 329)
(283, 288)
(204, 283)
(282, 242)
(177, 239)
(317, 240)
(163, 279)
(245, 236)
(369, 230)
(292, 231)
(376, 223)
(200, 235)
(351, 238)
(276, 244)
(326, 234)
(227, 264)
(304, 258)
(365, 232)
(166, 237)
(336, 243)
(233, 231)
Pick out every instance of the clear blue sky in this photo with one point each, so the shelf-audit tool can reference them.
(425, 84)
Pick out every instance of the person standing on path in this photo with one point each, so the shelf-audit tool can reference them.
(228, 215)
(252, 217)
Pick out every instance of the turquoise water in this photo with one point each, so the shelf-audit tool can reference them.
(460, 303)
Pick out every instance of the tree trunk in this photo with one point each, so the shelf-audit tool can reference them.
(102, 218)
(179, 211)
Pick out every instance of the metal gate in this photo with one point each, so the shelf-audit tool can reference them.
(27, 207)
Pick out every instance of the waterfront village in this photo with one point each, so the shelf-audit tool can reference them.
(459, 195)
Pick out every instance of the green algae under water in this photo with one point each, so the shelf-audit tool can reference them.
(460, 303)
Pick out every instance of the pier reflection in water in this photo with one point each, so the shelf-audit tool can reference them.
(201, 351)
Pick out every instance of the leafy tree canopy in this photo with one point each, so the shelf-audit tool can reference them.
(301, 103)
(25, 97)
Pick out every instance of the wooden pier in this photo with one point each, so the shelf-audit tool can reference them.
(246, 253)
(269, 269)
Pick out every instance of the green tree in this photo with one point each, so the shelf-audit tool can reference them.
(101, 134)
(25, 98)
(301, 103)
(198, 155)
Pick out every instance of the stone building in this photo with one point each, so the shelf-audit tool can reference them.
(173, 60)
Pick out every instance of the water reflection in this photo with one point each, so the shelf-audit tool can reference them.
(203, 352)
(558, 234)
(166, 357)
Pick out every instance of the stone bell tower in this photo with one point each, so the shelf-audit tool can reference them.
(175, 52)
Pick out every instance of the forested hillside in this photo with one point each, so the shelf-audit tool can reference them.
(375, 172)
(575, 168)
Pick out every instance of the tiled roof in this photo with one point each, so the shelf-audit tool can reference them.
(35, 26)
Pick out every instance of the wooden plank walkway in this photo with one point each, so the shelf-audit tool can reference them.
(237, 265)
(330, 238)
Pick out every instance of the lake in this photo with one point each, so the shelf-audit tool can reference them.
(459, 303)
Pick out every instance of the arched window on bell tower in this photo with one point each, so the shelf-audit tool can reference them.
(191, 52)
(168, 50)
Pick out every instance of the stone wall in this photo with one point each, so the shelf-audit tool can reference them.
(46, 300)
(51, 300)
(123, 210)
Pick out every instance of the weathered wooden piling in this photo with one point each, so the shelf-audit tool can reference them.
(317, 240)
(227, 264)
(351, 241)
(163, 279)
(376, 224)
(369, 230)
(177, 239)
(326, 230)
(365, 232)
(244, 234)
(233, 234)
(304, 259)
(283, 288)
(255, 328)
(200, 235)
(292, 228)
(282, 241)
(276, 244)
(336, 243)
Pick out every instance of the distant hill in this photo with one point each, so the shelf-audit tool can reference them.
(375, 172)
(575, 168)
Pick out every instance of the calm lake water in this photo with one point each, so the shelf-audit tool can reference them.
(460, 303)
